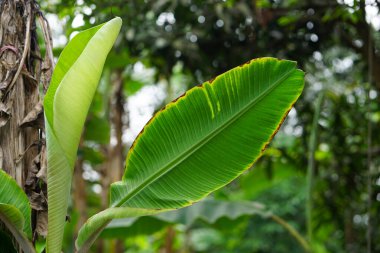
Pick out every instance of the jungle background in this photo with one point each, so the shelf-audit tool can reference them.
(321, 173)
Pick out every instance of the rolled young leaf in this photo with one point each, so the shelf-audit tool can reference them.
(207, 137)
(67, 101)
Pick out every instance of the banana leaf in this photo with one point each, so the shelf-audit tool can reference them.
(15, 211)
(202, 141)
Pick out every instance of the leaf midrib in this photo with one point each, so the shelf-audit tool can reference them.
(190, 151)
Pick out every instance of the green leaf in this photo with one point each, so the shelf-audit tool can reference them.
(66, 103)
(135, 226)
(206, 138)
(13, 215)
(15, 211)
(13, 219)
(14, 203)
(208, 211)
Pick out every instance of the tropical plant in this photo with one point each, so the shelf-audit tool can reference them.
(195, 145)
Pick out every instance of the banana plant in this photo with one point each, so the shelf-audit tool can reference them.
(195, 145)
(201, 142)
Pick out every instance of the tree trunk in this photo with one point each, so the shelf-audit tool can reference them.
(22, 70)
(79, 193)
(113, 168)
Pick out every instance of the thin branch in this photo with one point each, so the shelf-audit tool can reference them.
(311, 167)
(47, 37)
(299, 238)
(49, 58)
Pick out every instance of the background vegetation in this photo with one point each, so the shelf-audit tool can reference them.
(321, 174)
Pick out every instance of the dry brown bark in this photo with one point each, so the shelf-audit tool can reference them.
(22, 72)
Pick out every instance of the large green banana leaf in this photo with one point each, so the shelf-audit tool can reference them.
(209, 136)
(206, 138)
(15, 211)
(66, 103)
